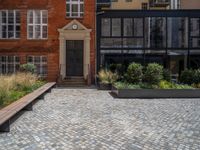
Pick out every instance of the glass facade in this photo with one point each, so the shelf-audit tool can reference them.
(171, 38)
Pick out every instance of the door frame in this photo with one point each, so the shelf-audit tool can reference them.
(68, 33)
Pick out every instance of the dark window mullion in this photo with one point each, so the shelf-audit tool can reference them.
(111, 27)
(133, 25)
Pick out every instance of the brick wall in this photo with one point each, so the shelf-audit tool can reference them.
(50, 47)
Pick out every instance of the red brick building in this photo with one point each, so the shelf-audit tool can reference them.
(58, 36)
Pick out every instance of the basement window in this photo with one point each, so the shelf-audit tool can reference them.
(41, 64)
(9, 64)
(9, 24)
(74, 8)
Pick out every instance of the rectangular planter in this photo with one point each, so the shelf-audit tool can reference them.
(156, 93)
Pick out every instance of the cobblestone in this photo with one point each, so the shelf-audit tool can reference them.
(84, 119)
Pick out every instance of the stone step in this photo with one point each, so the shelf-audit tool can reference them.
(72, 82)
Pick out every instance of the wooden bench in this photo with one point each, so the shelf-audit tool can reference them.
(25, 103)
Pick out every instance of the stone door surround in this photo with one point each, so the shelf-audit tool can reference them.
(74, 31)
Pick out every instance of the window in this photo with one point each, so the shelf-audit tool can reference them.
(116, 27)
(41, 64)
(195, 27)
(133, 27)
(9, 64)
(37, 24)
(195, 32)
(105, 27)
(9, 24)
(111, 27)
(128, 0)
(75, 8)
(177, 32)
(144, 6)
(158, 32)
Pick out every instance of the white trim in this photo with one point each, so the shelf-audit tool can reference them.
(13, 64)
(41, 24)
(39, 63)
(67, 33)
(79, 13)
(14, 24)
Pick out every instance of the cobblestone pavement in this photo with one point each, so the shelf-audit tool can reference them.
(89, 119)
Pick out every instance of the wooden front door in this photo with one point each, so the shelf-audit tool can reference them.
(74, 58)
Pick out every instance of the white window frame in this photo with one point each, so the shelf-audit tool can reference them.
(40, 63)
(7, 63)
(7, 24)
(34, 24)
(69, 12)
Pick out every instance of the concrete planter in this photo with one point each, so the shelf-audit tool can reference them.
(156, 93)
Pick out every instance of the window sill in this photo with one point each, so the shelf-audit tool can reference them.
(37, 40)
(71, 18)
(9, 40)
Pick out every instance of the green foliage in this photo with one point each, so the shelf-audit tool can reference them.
(13, 87)
(13, 96)
(182, 86)
(119, 69)
(197, 76)
(165, 85)
(107, 77)
(123, 85)
(153, 73)
(28, 68)
(3, 96)
(148, 86)
(187, 77)
(134, 73)
(167, 75)
(169, 85)
(162, 85)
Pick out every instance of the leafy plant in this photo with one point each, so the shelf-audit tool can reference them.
(153, 73)
(28, 68)
(167, 75)
(119, 69)
(148, 86)
(168, 85)
(107, 77)
(13, 87)
(196, 85)
(134, 73)
(123, 85)
(165, 85)
(197, 76)
(187, 77)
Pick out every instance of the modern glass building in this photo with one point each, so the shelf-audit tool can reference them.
(168, 37)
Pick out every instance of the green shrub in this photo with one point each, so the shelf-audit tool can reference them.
(187, 77)
(165, 85)
(168, 85)
(28, 68)
(197, 76)
(134, 73)
(153, 73)
(167, 75)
